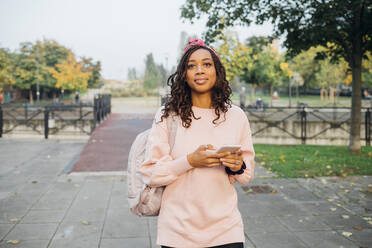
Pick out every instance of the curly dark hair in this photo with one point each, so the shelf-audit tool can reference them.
(179, 101)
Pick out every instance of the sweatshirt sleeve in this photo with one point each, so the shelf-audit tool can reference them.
(159, 168)
(247, 154)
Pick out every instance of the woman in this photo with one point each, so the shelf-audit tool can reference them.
(199, 204)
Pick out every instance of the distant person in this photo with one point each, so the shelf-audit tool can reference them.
(77, 95)
(242, 97)
(275, 95)
(366, 94)
(259, 103)
(199, 206)
(1, 97)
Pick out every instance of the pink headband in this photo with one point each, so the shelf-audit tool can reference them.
(198, 42)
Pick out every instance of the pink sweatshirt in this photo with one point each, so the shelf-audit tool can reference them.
(199, 205)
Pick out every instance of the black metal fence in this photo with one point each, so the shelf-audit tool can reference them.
(333, 118)
(67, 115)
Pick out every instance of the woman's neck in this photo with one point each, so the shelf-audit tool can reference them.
(202, 101)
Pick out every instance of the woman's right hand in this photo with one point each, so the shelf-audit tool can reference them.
(203, 158)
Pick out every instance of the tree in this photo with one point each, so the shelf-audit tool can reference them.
(367, 70)
(48, 53)
(234, 55)
(94, 68)
(344, 27)
(25, 73)
(70, 75)
(132, 74)
(6, 69)
(265, 69)
(307, 66)
(329, 75)
(152, 77)
(163, 74)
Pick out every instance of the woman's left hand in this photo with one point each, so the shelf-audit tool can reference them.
(233, 161)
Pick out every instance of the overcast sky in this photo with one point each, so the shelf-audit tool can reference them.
(119, 33)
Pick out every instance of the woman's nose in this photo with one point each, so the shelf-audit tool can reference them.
(199, 68)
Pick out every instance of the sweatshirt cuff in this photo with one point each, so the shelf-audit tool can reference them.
(180, 165)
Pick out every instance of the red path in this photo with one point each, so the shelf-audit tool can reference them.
(109, 144)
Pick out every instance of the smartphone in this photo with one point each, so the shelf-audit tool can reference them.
(229, 148)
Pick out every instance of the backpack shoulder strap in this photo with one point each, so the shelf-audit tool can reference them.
(172, 129)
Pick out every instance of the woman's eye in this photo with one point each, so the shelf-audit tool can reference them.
(208, 64)
(190, 66)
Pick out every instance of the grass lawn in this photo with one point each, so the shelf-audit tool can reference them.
(313, 161)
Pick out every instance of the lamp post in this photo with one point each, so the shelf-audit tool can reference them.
(37, 76)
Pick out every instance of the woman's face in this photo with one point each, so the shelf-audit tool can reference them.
(201, 73)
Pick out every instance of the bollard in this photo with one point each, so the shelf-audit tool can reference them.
(368, 127)
(1, 122)
(26, 111)
(95, 114)
(303, 126)
(81, 111)
(46, 122)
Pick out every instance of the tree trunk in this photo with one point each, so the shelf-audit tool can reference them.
(356, 66)
(297, 94)
(321, 94)
(332, 95)
(271, 95)
(354, 141)
(252, 92)
(31, 97)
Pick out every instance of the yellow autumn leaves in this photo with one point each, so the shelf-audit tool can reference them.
(70, 75)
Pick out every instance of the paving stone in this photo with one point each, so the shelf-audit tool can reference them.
(43, 216)
(26, 244)
(338, 222)
(363, 238)
(277, 240)
(8, 214)
(323, 208)
(125, 243)
(303, 223)
(321, 239)
(4, 229)
(262, 225)
(91, 214)
(153, 230)
(15, 202)
(123, 224)
(54, 202)
(248, 244)
(76, 234)
(32, 231)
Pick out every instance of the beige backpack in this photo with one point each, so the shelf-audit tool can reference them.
(143, 199)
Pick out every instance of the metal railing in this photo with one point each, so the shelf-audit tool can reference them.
(66, 115)
(332, 117)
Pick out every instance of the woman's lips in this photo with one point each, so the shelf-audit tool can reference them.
(201, 80)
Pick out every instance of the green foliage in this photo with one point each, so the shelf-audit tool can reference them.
(367, 70)
(307, 66)
(235, 56)
(344, 27)
(32, 63)
(267, 66)
(305, 23)
(6, 69)
(94, 68)
(312, 160)
(132, 74)
(152, 78)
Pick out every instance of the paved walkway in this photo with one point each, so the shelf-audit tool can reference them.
(108, 146)
(42, 206)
